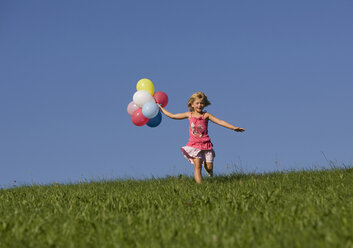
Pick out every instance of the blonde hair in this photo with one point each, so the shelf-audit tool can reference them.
(198, 95)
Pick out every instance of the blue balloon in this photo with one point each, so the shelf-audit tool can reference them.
(150, 110)
(155, 121)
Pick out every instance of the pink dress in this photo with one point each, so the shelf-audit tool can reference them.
(199, 145)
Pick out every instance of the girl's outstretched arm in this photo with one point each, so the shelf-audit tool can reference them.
(224, 123)
(179, 116)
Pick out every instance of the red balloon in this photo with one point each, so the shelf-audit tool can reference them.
(161, 98)
(138, 118)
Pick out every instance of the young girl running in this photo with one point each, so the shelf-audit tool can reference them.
(199, 150)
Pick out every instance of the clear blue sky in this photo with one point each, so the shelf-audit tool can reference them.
(283, 70)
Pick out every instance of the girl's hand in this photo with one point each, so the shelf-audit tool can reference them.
(239, 129)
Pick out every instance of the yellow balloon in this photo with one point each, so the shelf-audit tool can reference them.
(145, 84)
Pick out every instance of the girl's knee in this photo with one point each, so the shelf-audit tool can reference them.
(209, 165)
(197, 163)
(198, 166)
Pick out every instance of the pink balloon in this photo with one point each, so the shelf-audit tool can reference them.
(161, 98)
(138, 118)
(132, 107)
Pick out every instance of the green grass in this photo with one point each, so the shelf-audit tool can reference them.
(292, 209)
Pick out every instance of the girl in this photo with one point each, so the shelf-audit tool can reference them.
(199, 150)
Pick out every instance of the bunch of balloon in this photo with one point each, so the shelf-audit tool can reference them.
(144, 106)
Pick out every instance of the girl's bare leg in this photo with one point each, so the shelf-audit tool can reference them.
(209, 168)
(197, 170)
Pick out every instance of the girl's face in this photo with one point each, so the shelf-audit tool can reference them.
(198, 105)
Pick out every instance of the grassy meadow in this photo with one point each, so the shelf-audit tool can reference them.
(291, 209)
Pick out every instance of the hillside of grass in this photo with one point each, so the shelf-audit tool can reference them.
(291, 209)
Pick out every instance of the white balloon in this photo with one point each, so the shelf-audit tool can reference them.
(141, 97)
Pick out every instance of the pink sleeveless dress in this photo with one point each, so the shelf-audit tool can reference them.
(199, 145)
